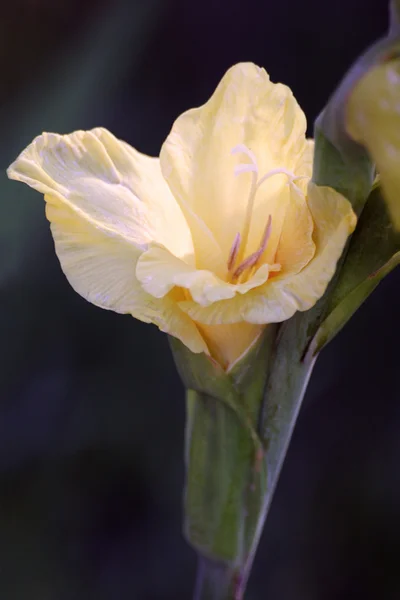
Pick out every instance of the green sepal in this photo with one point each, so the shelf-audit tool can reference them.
(226, 468)
(239, 388)
(374, 251)
(223, 480)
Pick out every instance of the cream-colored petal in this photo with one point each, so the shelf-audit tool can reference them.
(373, 119)
(274, 201)
(304, 164)
(101, 268)
(197, 161)
(159, 272)
(280, 297)
(99, 226)
(169, 318)
(296, 245)
(228, 343)
(259, 306)
(108, 182)
(334, 221)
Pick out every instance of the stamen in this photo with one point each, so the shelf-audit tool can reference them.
(238, 249)
(246, 264)
(234, 252)
(252, 260)
(266, 234)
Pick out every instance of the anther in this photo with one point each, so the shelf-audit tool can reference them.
(251, 261)
(246, 264)
(233, 252)
(266, 235)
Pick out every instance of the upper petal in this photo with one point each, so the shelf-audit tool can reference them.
(197, 161)
(107, 182)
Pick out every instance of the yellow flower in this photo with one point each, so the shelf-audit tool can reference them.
(373, 119)
(219, 236)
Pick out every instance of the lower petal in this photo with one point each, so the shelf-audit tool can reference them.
(159, 271)
(101, 268)
(281, 296)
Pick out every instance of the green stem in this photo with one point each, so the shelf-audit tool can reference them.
(215, 581)
(237, 437)
(278, 423)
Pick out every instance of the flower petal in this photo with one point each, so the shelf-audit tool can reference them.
(197, 161)
(228, 343)
(159, 272)
(280, 297)
(101, 268)
(304, 165)
(108, 182)
(96, 234)
(296, 245)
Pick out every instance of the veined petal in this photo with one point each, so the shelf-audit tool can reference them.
(159, 272)
(334, 221)
(296, 245)
(197, 161)
(280, 297)
(166, 314)
(98, 225)
(101, 268)
(304, 165)
(107, 182)
(274, 202)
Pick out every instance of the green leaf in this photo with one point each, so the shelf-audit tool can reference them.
(222, 477)
(350, 172)
(240, 389)
(374, 251)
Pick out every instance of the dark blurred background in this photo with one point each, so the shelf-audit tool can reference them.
(91, 408)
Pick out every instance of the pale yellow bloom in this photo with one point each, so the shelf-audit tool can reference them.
(221, 235)
(373, 119)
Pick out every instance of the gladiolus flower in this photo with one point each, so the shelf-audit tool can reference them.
(219, 236)
(373, 120)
